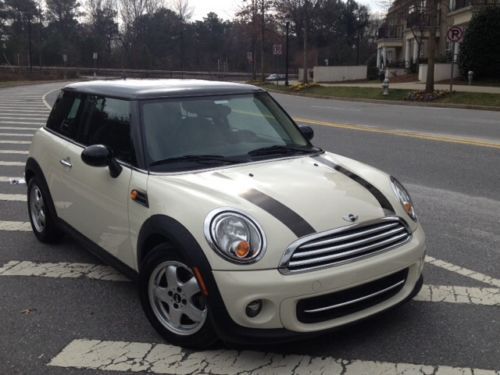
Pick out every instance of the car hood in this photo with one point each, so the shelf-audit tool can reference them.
(289, 198)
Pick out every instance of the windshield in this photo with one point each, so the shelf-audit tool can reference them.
(202, 132)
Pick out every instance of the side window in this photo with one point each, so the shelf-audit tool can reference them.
(65, 116)
(108, 123)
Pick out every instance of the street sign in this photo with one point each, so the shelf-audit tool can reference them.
(94, 56)
(249, 57)
(277, 49)
(455, 34)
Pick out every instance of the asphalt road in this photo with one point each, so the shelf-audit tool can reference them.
(43, 308)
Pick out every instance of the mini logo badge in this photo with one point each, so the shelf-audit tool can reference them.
(351, 218)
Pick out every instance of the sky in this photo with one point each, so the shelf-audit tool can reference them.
(227, 8)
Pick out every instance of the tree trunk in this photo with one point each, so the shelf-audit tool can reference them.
(262, 32)
(305, 77)
(431, 46)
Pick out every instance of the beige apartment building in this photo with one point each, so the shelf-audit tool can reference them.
(402, 38)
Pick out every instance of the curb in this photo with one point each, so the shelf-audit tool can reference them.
(392, 102)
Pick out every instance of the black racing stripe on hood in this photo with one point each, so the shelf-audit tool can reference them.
(382, 200)
(287, 216)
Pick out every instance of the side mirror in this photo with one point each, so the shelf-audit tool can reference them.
(101, 156)
(307, 132)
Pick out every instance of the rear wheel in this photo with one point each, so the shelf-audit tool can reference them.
(42, 220)
(173, 300)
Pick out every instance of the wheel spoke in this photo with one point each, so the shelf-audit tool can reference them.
(162, 294)
(175, 316)
(171, 274)
(190, 287)
(195, 314)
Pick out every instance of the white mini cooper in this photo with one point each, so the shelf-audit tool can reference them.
(234, 225)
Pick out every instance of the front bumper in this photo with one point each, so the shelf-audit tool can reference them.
(281, 293)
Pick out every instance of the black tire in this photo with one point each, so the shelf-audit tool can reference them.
(162, 257)
(49, 232)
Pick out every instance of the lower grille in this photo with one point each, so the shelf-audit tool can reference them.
(349, 301)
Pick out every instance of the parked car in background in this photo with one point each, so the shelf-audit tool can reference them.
(209, 195)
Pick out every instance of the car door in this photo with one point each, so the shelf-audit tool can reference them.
(90, 200)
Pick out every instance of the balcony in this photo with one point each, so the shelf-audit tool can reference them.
(390, 32)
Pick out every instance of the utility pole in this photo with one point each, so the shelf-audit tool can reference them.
(306, 20)
(29, 45)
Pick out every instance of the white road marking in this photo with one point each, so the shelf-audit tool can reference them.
(5, 179)
(62, 270)
(459, 294)
(44, 97)
(24, 111)
(3, 141)
(168, 359)
(15, 226)
(13, 197)
(17, 128)
(16, 134)
(33, 118)
(12, 163)
(20, 152)
(463, 271)
(22, 123)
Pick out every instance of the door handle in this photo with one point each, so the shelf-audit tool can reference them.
(66, 162)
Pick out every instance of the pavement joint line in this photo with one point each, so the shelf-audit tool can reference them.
(158, 358)
(400, 133)
(463, 271)
(16, 134)
(12, 142)
(15, 226)
(12, 163)
(13, 197)
(20, 152)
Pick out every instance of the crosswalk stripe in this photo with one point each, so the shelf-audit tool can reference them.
(23, 118)
(5, 179)
(13, 197)
(17, 128)
(16, 134)
(429, 293)
(463, 271)
(62, 270)
(168, 359)
(10, 122)
(12, 163)
(14, 152)
(12, 142)
(459, 294)
(25, 111)
(15, 226)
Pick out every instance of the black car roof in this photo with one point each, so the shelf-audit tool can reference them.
(133, 89)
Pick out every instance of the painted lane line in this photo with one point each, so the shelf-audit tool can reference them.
(17, 128)
(11, 142)
(16, 134)
(62, 270)
(12, 163)
(463, 271)
(15, 226)
(168, 359)
(19, 152)
(459, 294)
(13, 197)
(400, 133)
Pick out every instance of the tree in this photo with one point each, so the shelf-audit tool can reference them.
(480, 50)
(431, 45)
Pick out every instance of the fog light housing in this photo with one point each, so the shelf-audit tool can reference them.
(254, 308)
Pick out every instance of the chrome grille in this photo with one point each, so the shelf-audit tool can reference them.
(344, 244)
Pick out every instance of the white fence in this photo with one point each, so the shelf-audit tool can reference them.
(337, 73)
(441, 72)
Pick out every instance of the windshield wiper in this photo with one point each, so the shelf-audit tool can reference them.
(283, 150)
(201, 159)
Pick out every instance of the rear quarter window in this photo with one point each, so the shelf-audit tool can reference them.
(65, 115)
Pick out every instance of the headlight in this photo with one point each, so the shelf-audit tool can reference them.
(404, 198)
(235, 236)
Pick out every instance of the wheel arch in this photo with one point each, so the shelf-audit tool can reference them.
(33, 169)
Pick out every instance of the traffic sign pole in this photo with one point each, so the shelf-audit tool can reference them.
(455, 35)
(452, 66)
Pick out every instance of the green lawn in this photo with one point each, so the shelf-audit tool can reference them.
(462, 98)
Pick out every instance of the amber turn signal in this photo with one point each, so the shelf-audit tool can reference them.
(243, 249)
(133, 195)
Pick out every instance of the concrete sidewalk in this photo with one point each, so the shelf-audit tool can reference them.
(421, 86)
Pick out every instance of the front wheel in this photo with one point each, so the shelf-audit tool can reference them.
(42, 221)
(173, 301)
